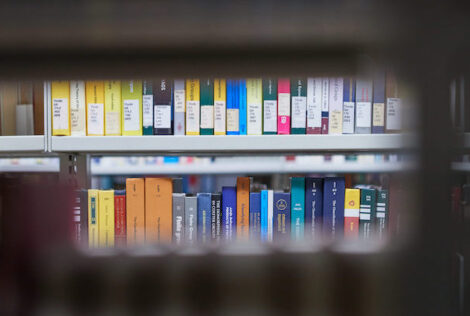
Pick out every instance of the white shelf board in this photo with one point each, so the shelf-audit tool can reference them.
(461, 166)
(30, 168)
(232, 144)
(21, 144)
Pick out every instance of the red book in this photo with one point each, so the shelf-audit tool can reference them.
(120, 231)
(283, 106)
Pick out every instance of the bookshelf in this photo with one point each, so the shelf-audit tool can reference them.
(14, 145)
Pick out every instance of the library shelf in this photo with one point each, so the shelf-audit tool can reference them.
(13, 145)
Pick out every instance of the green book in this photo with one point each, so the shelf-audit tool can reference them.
(270, 106)
(367, 211)
(207, 107)
(298, 91)
(382, 213)
(147, 108)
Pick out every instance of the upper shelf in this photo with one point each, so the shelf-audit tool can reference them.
(13, 145)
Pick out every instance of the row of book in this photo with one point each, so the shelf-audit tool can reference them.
(226, 107)
(154, 210)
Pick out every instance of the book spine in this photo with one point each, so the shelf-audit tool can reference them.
(241, 87)
(147, 107)
(229, 212)
(162, 107)
(60, 95)
(299, 106)
(243, 206)
(351, 213)
(77, 108)
(178, 218)
(255, 216)
(106, 218)
(220, 97)
(233, 109)
(297, 208)
(325, 92)
(84, 216)
(158, 210)
(333, 207)
(192, 106)
(120, 218)
(135, 208)
(93, 220)
(363, 106)
(207, 107)
(281, 216)
(313, 207)
(367, 213)
(270, 215)
(95, 107)
(264, 215)
(378, 106)
(254, 98)
(349, 100)
(269, 106)
(131, 98)
(190, 221)
(283, 101)
(335, 107)
(382, 213)
(112, 104)
(179, 107)
(177, 185)
(204, 217)
(393, 109)
(216, 201)
(314, 93)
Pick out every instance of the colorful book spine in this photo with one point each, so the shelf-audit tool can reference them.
(162, 107)
(378, 106)
(147, 107)
(281, 216)
(254, 99)
(93, 220)
(106, 218)
(297, 208)
(363, 106)
(269, 106)
(190, 220)
(349, 101)
(314, 105)
(112, 105)
(179, 107)
(77, 108)
(255, 215)
(192, 106)
(335, 107)
(333, 207)
(204, 217)
(243, 207)
(241, 89)
(382, 213)
(229, 212)
(135, 207)
(131, 98)
(216, 208)
(233, 108)
(352, 199)
(393, 109)
(367, 212)
(283, 110)
(220, 97)
(120, 218)
(178, 218)
(207, 107)
(95, 107)
(60, 94)
(299, 106)
(158, 210)
(264, 215)
(313, 207)
(325, 92)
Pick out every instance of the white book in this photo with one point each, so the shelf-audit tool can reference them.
(77, 108)
(335, 106)
(314, 86)
(179, 103)
(270, 214)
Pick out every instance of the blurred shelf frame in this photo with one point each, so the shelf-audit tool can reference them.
(15, 145)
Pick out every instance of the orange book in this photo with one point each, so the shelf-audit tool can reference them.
(135, 204)
(158, 210)
(243, 207)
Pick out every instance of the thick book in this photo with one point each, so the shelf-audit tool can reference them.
(378, 105)
(135, 211)
(243, 207)
(190, 219)
(393, 108)
(241, 100)
(299, 106)
(270, 106)
(367, 212)
(106, 218)
(382, 213)
(333, 207)
(349, 105)
(352, 199)
(314, 93)
(77, 108)
(162, 107)
(120, 221)
(158, 210)
(112, 108)
(204, 217)
(147, 107)
(216, 216)
(192, 106)
(220, 105)
(207, 106)
(93, 219)
(313, 207)
(281, 216)
(335, 107)
(254, 99)
(297, 208)
(84, 217)
(255, 215)
(179, 107)
(283, 106)
(229, 212)
(131, 111)
(363, 106)
(233, 108)
(94, 91)
(38, 108)
(60, 95)
(178, 217)
(325, 93)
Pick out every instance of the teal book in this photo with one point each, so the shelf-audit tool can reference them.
(297, 207)
(298, 91)
(147, 108)
(270, 106)
(207, 107)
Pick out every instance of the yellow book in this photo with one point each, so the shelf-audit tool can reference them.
(220, 105)
(93, 220)
(192, 106)
(131, 111)
(60, 95)
(351, 213)
(254, 99)
(106, 218)
(112, 104)
(94, 91)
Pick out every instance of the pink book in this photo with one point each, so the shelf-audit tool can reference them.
(283, 101)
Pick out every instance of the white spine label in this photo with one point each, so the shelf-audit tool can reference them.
(77, 108)
(232, 120)
(192, 116)
(348, 117)
(314, 102)
(363, 114)
(162, 116)
(60, 113)
(95, 118)
(299, 112)
(270, 115)
(254, 119)
(179, 100)
(131, 115)
(219, 117)
(284, 104)
(325, 94)
(147, 105)
(393, 114)
(207, 116)
(112, 123)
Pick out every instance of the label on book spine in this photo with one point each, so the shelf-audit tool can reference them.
(192, 117)
(379, 117)
(348, 118)
(207, 116)
(60, 113)
(284, 113)
(232, 120)
(219, 117)
(95, 118)
(131, 115)
(393, 114)
(363, 114)
(162, 116)
(147, 105)
(299, 112)
(270, 116)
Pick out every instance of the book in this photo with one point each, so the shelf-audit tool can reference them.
(270, 214)
(78, 113)
(192, 106)
(393, 108)
(349, 101)
(270, 106)
(216, 216)
(255, 216)
(24, 119)
(283, 106)
(297, 208)
(106, 218)
(94, 91)
(363, 106)
(158, 210)
(333, 207)
(204, 217)
(313, 207)
(254, 98)
(93, 220)
(220, 97)
(264, 215)
(131, 111)
(77, 219)
(38, 108)
(112, 108)
(60, 94)
(84, 217)
(179, 107)
(162, 107)
(148, 107)
(229, 212)
(190, 219)
(299, 106)
(233, 108)
(335, 106)
(241, 89)
(177, 185)
(351, 213)
(178, 217)
(378, 106)
(314, 105)
(382, 213)
(325, 92)
(243, 207)
(135, 208)
(367, 212)
(207, 107)
(120, 221)
(281, 216)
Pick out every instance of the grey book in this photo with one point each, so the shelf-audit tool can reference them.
(178, 217)
(363, 106)
(190, 212)
(179, 110)
(177, 185)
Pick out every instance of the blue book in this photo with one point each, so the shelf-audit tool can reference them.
(204, 217)
(313, 206)
(297, 207)
(242, 104)
(264, 215)
(333, 207)
(281, 216)
(255, 215)
(229, 212)
(233, 109)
